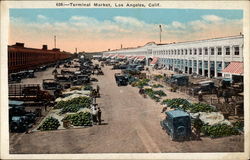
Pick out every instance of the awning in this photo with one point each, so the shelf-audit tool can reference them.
(140, 58)
(121, 56)
(154, 61)
(236, 68)
(131, 57)
(113, 55)
(106, 56)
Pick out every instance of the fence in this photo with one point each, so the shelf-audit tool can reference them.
(18, 90)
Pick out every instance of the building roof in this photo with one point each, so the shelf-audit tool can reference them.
(176, 113)
(236, 68)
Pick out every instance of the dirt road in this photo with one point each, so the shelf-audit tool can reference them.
(131, 125)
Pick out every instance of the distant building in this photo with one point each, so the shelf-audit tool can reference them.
(23, 58)
(216, 57)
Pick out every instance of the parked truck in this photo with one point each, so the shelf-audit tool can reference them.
(177, 124)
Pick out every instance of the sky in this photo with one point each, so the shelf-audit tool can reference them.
(100, 29)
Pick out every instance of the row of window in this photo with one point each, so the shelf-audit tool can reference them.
(20, 58)
(189, 63)
(218, 50)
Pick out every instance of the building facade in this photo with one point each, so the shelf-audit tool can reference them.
(207, 57)
(23, 58)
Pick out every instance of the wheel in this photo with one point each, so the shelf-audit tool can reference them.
(172, 137)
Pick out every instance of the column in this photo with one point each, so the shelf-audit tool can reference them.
(208, 69)
(241, 52)
(231, 53)
(173, 65)
(215, 69)
(197, 69)
(192, 66)
(197, 61)
(203, 68)
(203, 64)
(183, 65)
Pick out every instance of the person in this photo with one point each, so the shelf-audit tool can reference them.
(197, 126)
(165, 107)
(94, 114)
(97, 89)
(200, 98)
(99, 115)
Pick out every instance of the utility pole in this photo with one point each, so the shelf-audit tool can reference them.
(160, 32)
(76, 50)
(55, 41)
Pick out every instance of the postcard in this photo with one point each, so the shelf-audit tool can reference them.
(124, 79)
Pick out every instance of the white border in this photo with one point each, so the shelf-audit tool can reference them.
(5, 5)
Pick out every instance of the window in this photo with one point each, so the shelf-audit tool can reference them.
(212, 51)
(227, 50)
(190, 52)
(219, 51)
(195, 51)
(200, 51)
(186, 51)
(178, 52)
(236, 50)
(182, 52)
(206, 51)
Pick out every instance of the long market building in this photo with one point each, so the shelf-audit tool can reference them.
(216, 57)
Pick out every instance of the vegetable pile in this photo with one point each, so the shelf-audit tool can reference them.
(75, 88)
(201, 107)
(88, 87)
(239, 125)
(157, 86)
(160, 93)
(156, 77)
(219, 130)
(50, 123)
(155, 95)
(177, 103)
(74, 104)
(140, 83)
(79, 119)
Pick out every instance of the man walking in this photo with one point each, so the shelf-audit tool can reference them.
(94, 113)
(99, 114)
(197, 126)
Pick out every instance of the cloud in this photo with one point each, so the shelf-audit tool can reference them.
(176, 24)
(212, 18)
(91, 34)
(41, 17)
(128, 21)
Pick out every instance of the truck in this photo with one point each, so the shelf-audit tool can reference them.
(19, 119)
(178, 79)
(121, 80)
(29, 92)
(51, 84)
(177, 124)
(80, 79)
(206, 87)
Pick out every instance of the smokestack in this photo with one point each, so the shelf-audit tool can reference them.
(45, 47)
(18, 44)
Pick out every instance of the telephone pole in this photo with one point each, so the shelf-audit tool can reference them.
(160, 32)
(55, 41)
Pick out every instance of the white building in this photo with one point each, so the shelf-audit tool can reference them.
(216, 57)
